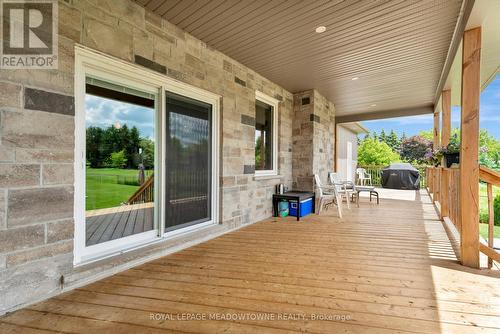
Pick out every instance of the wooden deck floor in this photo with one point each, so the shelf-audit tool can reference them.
(383, 269)
(117, 222)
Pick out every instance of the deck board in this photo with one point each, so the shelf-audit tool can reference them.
(389, 267)
(114, 223)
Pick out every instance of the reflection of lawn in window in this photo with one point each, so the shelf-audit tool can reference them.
(110, 187)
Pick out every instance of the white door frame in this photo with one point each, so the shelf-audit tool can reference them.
(100, 65)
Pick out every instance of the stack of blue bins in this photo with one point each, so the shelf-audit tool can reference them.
(306, 207)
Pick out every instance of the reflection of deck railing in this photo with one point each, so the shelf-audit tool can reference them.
(144, 194)
(443, 184)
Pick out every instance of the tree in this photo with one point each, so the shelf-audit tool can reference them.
(148, 153)
(118, 159)
(413, 149)
(429, 135)
(374, 152)
(393, 141)
(95, 150)
(382, 136)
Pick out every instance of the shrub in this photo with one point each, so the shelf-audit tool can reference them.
(415, 149)
(118, 159)
(374, 152)
(484, 217)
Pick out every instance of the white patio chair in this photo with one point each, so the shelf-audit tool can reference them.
(327, 195)
(345, 189)
(363, 176)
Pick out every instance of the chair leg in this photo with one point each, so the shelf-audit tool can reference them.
(347, 200)
(320, 205)
(339, 207)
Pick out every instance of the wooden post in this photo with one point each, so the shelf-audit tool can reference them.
(469, 150)
(435, 140)
(491, 221)
(446, 121)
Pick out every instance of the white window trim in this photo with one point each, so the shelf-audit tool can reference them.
(274, 103)
(97, 64)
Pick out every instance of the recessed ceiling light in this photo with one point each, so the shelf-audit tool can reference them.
(373, 105)
(320, 29)
(355, 78)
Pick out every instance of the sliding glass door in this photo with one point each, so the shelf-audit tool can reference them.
(146, 157)
(188, 162)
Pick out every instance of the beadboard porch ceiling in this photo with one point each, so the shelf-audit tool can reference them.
(396, 48)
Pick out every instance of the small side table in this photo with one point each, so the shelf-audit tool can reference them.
(293, 195)
(370, 189)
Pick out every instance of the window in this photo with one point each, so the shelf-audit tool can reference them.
(146, 157)
(266, 143)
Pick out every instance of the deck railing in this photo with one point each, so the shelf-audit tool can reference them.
(443, 186)
(376, 173)
(145, 193)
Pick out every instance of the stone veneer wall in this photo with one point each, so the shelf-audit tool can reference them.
(37, 141)
(313, 137)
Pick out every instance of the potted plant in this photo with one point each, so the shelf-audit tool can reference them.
(434, 157)
(452, 151)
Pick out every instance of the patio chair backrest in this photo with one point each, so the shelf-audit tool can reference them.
(317, 183)
(334, 178)
(361, 172)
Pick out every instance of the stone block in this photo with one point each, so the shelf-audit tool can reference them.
(153, 18)
(19, 175)
(57, 174)
(248, 120)
(108, 39)
(10, 95)
(3, 207)
(248, 169)
(31, 281)
(163, 33)
(143, 44)
(36, 99)
(37, 129)
(150, 64)
(228, 181)
(60, 230)
(13, 239)
(240, 81)
(7, 154)
(70, 22)
(41, 252)
(194, 62)
(28, 206)
(128, 11)
(43, 156)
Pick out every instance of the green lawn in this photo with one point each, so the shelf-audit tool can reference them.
(483, 200)
(483, 209)
(105, 187)
(483, 230)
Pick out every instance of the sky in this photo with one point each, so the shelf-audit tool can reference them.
(102, 112)
(489, 117)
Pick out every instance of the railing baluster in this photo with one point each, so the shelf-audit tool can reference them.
(491, 222)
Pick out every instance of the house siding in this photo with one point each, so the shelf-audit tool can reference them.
(343, 136)
(37, 142)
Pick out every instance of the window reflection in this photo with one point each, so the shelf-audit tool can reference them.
(263, 136)
(120, 160)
